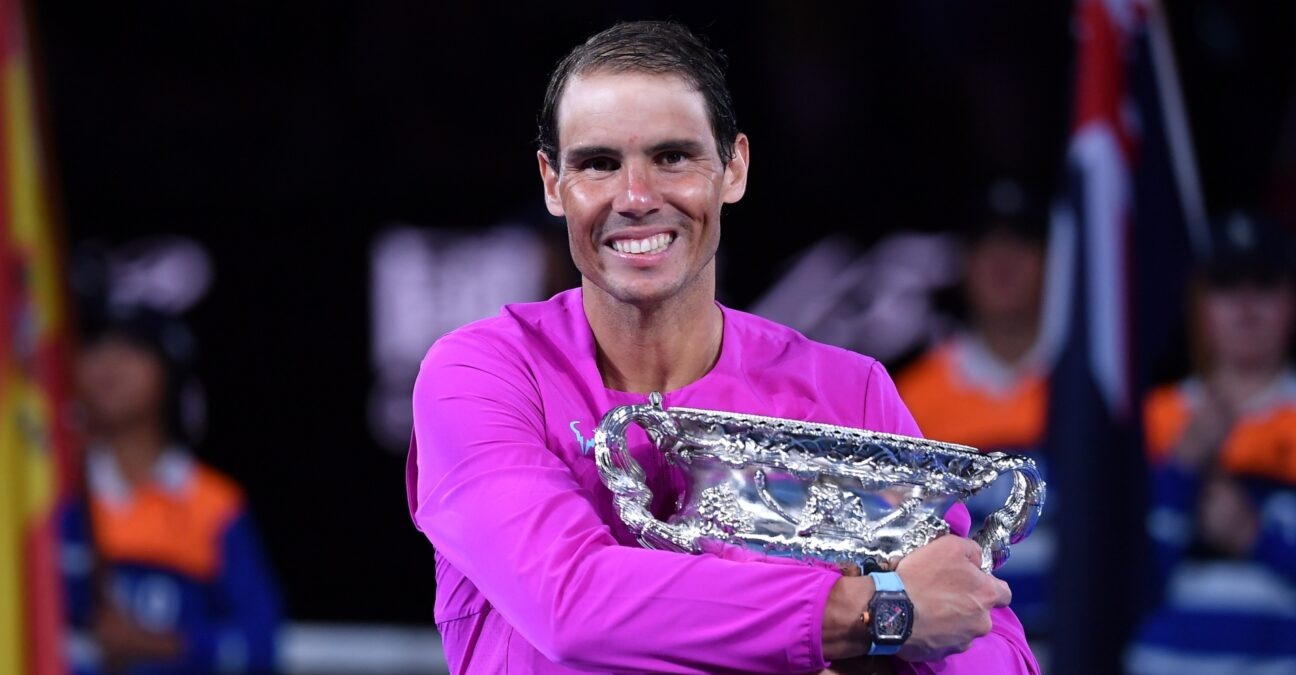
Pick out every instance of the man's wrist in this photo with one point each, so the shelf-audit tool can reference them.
(844, 633)
(890, 614)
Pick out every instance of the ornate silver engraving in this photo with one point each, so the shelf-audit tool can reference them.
(721, 513)
(857, 498)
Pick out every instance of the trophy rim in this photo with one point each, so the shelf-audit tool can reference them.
(836, 429)
(931, 465)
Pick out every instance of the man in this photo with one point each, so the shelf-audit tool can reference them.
(639, 151)
(985, 386)
(1223, 508)
(163, 571)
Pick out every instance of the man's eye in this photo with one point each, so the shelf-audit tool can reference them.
(601, 164)
(672, 157)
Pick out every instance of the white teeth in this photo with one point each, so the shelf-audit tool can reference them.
(654, 244)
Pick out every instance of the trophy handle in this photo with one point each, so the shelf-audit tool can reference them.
(625, 477)
(1016, 518)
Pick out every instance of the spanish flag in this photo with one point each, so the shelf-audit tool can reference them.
(34, 342)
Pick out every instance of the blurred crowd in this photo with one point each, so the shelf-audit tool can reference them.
(162, 563)
(165, 573)
(1221, 445)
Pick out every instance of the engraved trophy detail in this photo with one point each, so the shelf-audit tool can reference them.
(859, 499)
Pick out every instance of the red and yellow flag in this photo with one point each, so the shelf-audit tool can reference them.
(33, 372)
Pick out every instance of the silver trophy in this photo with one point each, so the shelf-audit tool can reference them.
(859, 499)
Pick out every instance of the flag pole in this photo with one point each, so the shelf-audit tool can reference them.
(1183, 157)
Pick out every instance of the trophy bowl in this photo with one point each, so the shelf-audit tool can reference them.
(861, 500)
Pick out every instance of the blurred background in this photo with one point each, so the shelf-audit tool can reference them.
(318, 190)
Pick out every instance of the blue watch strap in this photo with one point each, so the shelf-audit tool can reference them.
(885, 581)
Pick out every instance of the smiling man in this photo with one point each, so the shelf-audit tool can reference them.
(639, 151)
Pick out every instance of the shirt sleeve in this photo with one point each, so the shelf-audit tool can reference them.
(242, 638)
(509, 514)
(1005, 649)
(1170, 520)
(1276, 546)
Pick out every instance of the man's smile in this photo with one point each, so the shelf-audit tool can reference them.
(657, 243)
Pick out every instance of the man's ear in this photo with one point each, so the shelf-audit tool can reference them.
(549, 176)
(736, 171)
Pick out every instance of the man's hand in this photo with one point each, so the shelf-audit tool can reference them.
(1206, 432)
(952, 598)
(1226, 518)
(124, 642)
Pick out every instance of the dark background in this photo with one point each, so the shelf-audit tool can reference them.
(284, 135)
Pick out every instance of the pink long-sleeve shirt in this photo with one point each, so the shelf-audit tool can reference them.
(535, 572)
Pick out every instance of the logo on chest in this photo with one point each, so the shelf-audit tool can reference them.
(584, 444)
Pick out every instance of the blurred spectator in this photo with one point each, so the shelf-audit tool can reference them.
(163, 571)
(985, 385)
(1223, 450)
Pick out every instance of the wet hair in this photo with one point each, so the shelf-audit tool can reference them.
(655, 47)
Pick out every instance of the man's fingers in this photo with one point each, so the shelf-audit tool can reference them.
(971, 551)
(1003, 593)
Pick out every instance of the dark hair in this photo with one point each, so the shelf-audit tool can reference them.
(168, 340)
(659, 47)
(1007, 209)
(1248, 248)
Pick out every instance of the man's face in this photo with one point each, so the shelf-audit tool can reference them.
(1249, 325)
(640, 183)
(120, 384)
(1004, 278)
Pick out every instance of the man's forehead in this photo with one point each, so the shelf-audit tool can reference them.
(620, 108)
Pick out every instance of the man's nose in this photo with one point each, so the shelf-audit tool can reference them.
(638, 194)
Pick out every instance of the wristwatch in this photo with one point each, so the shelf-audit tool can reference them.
(890, 616)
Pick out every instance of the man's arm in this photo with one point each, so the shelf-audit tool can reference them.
(1277, 543)
(509, 515)
(1004, 648)
(242, 636)
(1176, 480)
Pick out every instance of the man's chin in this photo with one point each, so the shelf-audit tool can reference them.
(645, 298)
(642, 294)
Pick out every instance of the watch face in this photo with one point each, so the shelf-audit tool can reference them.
(890, 619)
